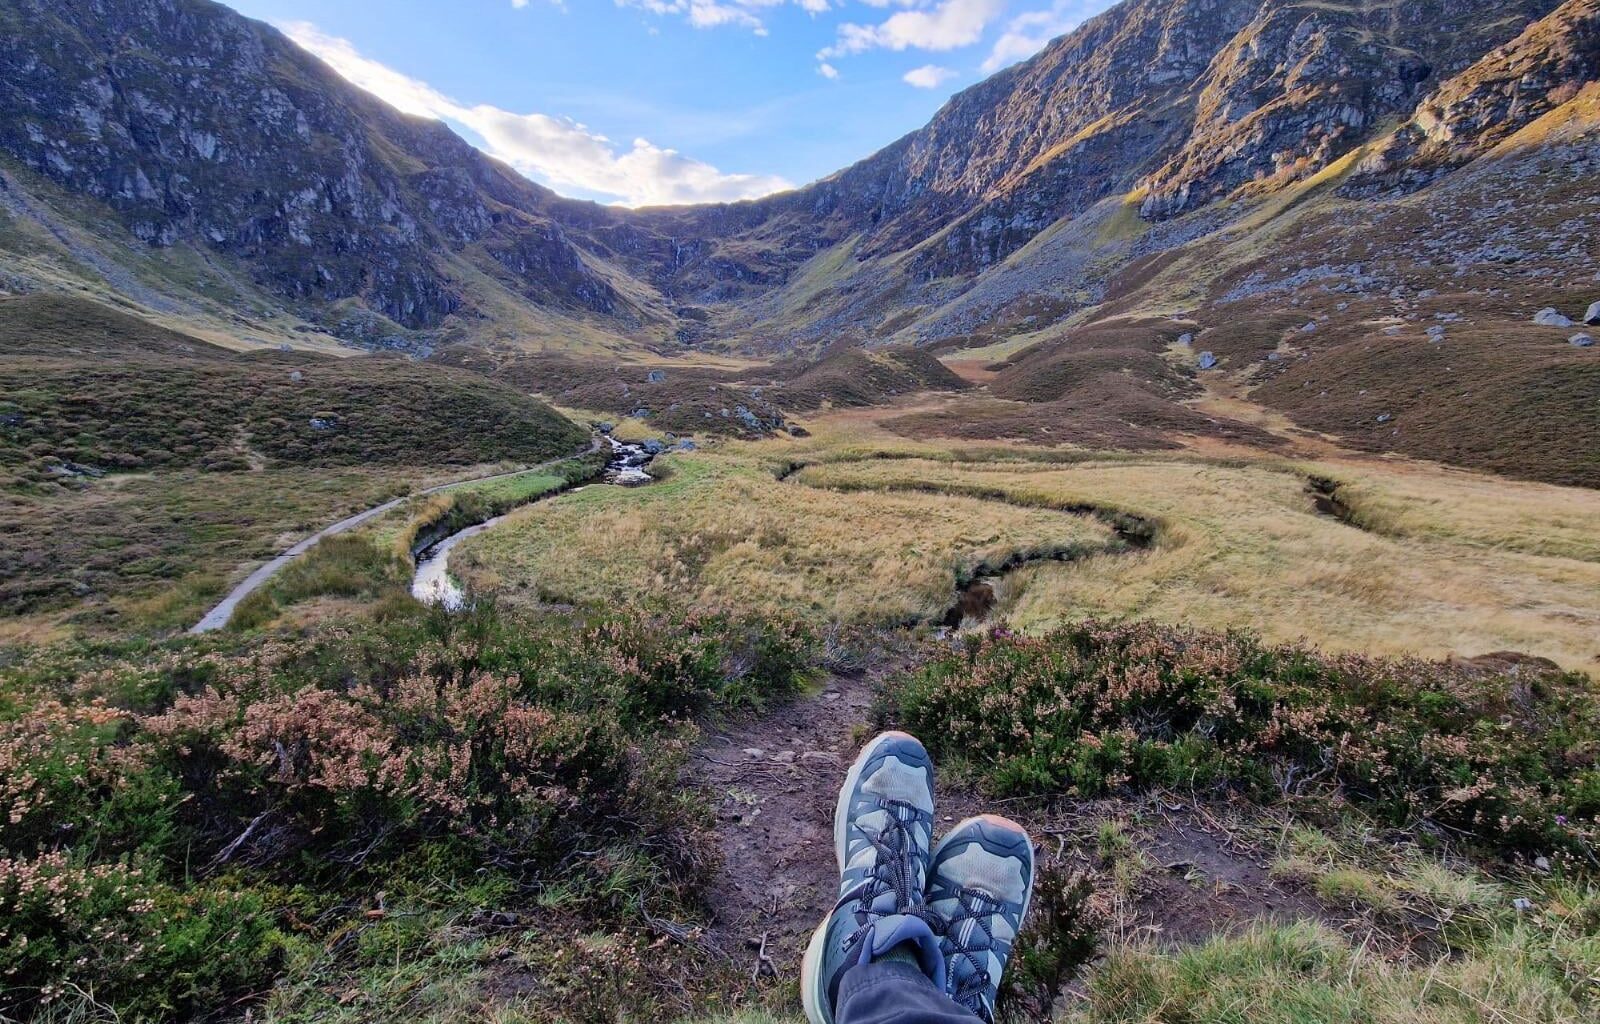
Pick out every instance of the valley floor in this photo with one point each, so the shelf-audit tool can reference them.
(856, 523)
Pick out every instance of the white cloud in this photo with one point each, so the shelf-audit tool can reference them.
(1028, 33)
(929, 76)
(947, 25)
(555, 150)
(720, 13)
(827, 70)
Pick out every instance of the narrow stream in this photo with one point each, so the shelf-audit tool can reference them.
(432, 584)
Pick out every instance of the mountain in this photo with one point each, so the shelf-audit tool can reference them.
(1316, 167)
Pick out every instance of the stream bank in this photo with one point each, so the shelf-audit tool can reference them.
(625, 466)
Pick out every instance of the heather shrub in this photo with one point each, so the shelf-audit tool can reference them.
(151, 950)
(173, 818)
(1510, 759)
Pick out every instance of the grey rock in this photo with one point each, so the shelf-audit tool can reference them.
(323, 423)
(1551, 317)
(1207, 360)
(1384, 417)
(1581, 340)
(655, 376)
(654, 446)
(1186, 339)
(1592, 317)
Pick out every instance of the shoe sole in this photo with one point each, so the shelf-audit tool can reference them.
(1002, 833)
(813, 998)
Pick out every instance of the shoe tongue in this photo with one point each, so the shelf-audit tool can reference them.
(900, 929)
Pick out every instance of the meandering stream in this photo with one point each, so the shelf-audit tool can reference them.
(432, 583)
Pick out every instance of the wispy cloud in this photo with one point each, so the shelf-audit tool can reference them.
(1029, 32)
(946, 25)
(722, 13)
(929, 76)
(555, 150)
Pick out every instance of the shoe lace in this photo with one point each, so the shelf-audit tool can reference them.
(972, 986)
(893, 872)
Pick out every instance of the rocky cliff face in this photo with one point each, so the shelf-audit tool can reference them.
(1511, 87)
(194, 124)
(196, 127)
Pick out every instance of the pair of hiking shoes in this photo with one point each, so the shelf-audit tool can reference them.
(956, 907)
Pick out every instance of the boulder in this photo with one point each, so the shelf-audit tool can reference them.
(655, 376)
(1581, 340)
(1188, 339)
(654, 446)
(1551, 317)
(1207, 360)
(1592, 317)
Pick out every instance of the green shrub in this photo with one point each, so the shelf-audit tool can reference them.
(434, 758)
(1097, 708)
(147, 948)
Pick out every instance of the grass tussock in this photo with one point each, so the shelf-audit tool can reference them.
(1305, 973)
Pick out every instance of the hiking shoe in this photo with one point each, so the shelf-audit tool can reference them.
(979, 888)
(882, 831)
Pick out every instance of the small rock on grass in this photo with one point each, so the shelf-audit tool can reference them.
(1581, 340)
(1592, 317)
(1551, 317)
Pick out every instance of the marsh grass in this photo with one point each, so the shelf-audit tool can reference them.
(722, 532)
(1450, 562)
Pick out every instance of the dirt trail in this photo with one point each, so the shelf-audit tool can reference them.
(773, 782)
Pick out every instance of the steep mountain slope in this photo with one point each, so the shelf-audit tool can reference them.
(1284, 179)
(200, 131)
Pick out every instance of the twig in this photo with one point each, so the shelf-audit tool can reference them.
(763, 961)
(227, 852)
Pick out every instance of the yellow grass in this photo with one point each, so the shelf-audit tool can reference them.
(1441, 562)
(723, 533)
(1454, 572)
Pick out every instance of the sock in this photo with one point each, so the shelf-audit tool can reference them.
(905, 952)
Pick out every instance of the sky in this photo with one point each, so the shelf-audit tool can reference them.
(645, 102)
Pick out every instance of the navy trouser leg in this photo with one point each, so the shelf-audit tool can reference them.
(894, 992)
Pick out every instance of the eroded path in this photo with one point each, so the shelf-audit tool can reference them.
(773, 781)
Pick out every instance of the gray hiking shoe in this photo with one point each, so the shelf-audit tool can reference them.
(979, 888)
(882, 832)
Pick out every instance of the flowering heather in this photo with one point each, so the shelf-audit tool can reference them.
(139, 788)
(1512, 759)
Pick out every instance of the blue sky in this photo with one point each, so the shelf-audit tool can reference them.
(662, 101)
